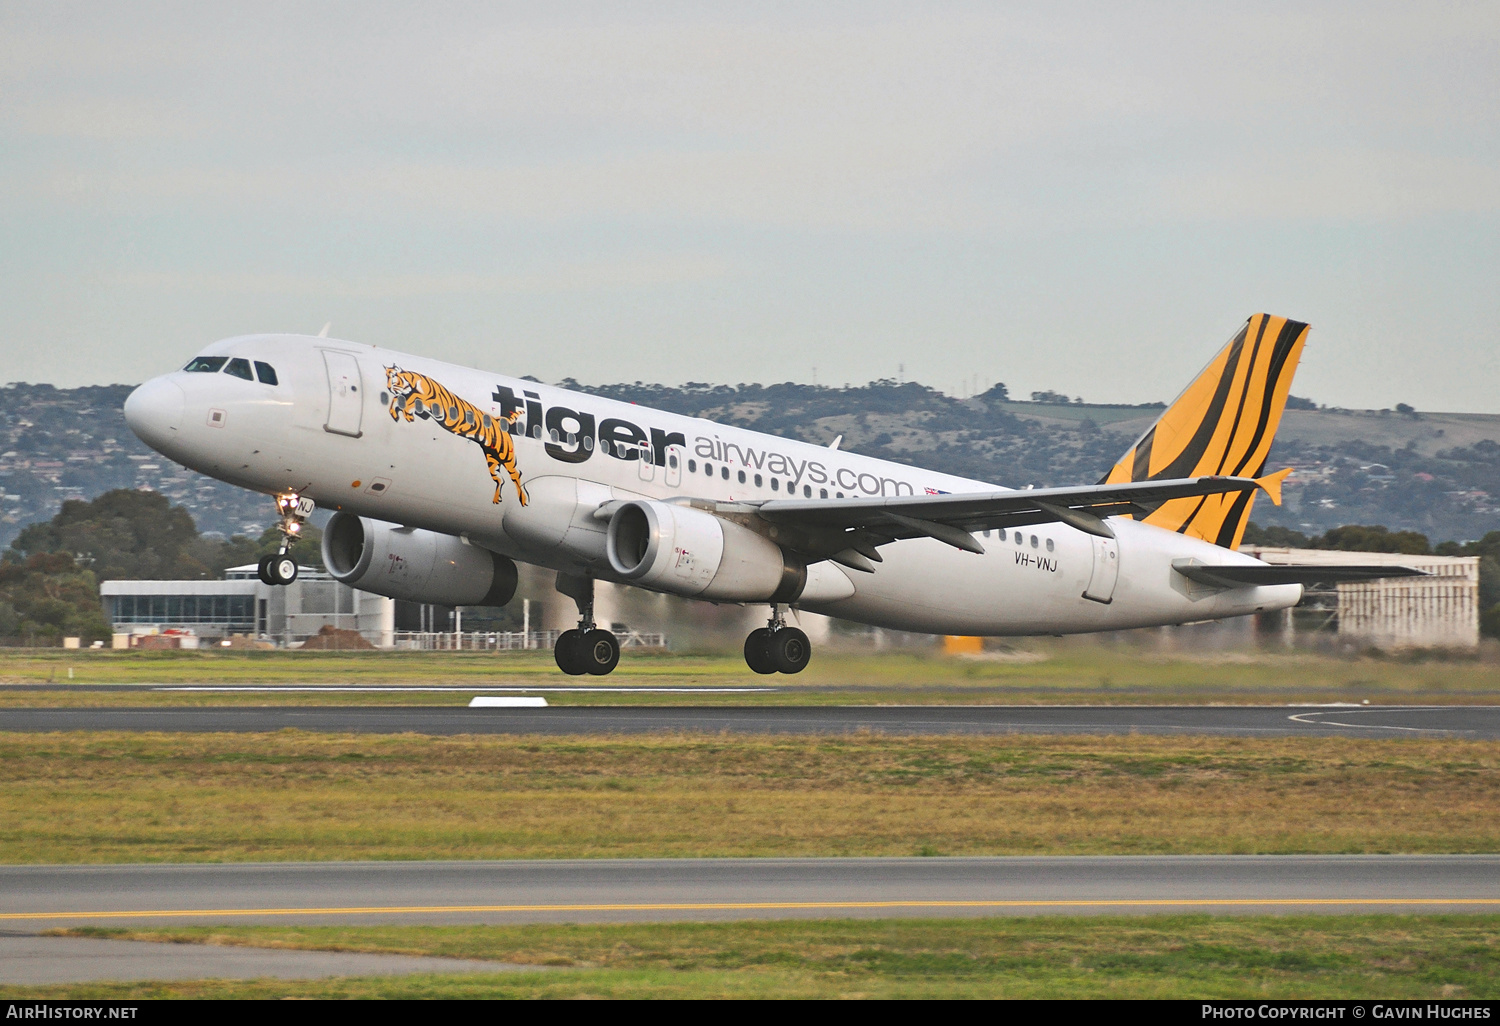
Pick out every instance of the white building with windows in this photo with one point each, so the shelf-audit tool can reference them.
(1440, 610)
(241, 604)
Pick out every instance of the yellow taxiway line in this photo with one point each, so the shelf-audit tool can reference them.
(752, 906)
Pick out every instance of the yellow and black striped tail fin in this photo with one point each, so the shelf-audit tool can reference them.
(1223, 423)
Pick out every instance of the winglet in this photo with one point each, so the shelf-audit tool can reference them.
(324, 332)
(1271, 484)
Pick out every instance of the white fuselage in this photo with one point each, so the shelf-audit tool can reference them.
(326, 432)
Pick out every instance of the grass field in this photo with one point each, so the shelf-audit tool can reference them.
(1041, 957)
(123, 797)
(1038, 671)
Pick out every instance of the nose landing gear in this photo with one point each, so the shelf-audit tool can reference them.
(777, 648)
(281, 569)
(586, 648)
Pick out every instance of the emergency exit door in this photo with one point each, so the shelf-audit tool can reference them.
(675, 455)
(345, 403)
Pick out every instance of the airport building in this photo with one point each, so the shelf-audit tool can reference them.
(1437, 611)
(242, 605)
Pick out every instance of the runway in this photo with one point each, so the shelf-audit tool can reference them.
(606, 890)
(1377, 721)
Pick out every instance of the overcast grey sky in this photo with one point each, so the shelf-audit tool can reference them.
(1084, 197)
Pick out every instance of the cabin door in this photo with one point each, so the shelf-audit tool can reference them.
(1106, 569)
(345, 404)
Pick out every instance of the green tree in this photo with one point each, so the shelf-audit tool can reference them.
(134, 535)
(123, 534)
(1360, 538)
(1278, 537)
(49, 596)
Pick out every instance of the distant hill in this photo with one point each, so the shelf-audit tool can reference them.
(73, 443)
(1437, 473)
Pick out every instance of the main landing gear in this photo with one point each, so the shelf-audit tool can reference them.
(281, 569)
(586, 648)
(777, 648)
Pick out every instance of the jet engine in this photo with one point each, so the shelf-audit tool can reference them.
(413, 564)
(687, 551)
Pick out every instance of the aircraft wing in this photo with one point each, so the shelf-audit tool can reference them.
(861, 524)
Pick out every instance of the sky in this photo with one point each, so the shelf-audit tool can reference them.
(1089, 198)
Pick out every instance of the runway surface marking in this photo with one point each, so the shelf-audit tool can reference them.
(751, 906)
(1349, 709)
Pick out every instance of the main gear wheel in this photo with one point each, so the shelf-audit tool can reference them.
(782, 650)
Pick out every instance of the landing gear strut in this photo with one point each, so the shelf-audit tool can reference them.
(777, 648)
(292, 510)
(586, 648)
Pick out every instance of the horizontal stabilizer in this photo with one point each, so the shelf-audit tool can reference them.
(1271, 484)
(1251, 575)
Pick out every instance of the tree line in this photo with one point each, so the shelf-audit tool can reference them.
(49, 578)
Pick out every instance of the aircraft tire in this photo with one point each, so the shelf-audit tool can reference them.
(263, 570)
(790, 650)
(598, 652)
(282, 570)
(566, 652)
(758, 651)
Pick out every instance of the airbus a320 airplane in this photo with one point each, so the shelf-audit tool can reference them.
(442, 477)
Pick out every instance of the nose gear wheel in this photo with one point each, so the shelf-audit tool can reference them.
(277, 571)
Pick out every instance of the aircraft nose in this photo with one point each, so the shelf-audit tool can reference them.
(154, 411)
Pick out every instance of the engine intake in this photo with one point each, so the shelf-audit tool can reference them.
(687, 551)
(413, 564)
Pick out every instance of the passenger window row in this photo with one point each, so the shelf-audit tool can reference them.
(237, 367)
(791, 486)
(791, 489)
(1021, 539)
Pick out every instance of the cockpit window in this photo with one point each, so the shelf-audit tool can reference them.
(206, 364)
(267, 373)
(240, 369)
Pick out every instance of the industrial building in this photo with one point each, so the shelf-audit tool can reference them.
(241, 604)
(1437, 611)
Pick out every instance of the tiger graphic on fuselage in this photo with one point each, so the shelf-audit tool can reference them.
(417, 395)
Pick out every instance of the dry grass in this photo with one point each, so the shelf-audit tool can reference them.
(105, 797)
(1164, 957)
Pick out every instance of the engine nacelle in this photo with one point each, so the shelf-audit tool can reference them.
(686, 551)
(413, 564)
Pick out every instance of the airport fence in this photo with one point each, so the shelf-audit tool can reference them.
(506, 641)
